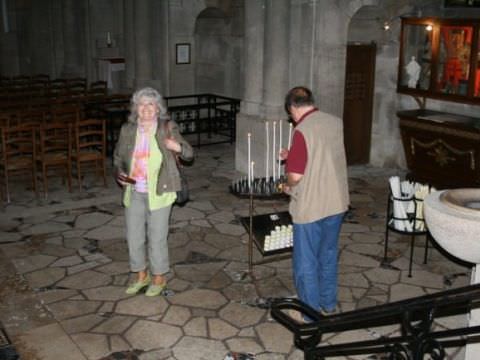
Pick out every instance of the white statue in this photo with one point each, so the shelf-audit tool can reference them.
(413, 71)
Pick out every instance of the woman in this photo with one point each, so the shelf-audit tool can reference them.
(146, 168)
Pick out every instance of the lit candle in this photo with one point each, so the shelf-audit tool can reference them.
(273, 149)
(279, 145)
(290, 135)
(267, 153)
(248, 158)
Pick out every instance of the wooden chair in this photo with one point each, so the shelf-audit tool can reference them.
(98, 88)
(89, 147)
(17, 155)
(41, 77)
(54, 152)
(67, 113)
(4, 81)
(34, 117)
(58, 88)
(77, 87)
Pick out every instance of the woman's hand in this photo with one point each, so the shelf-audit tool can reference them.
(173, 145)
(123, 179)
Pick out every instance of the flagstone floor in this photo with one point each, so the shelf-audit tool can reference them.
(64, 269)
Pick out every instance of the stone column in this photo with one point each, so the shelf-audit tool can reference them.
(143, 49)
(163, 73)
(254, 37)
(129, 38)
(275, 66)
(71, 39)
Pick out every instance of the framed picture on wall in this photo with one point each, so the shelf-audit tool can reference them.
(182, 53)
(462, 3)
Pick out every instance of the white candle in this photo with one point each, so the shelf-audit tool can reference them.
(273, 149)
(267, 153)
(109, 38)
(253, 177)
(248, 158)
(279, 145)
(290, 135)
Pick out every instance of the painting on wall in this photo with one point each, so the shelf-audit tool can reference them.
(462, 3)
(183, 53)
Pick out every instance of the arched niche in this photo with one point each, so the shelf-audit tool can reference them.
(218, 53)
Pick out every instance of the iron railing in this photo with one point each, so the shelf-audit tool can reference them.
(419, 334)
(205, 114)
(205, 119)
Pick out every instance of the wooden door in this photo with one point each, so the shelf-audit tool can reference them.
(358, 103)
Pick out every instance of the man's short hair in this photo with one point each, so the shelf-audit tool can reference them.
(298, 96)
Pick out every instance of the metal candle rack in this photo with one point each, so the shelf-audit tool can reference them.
(258, 187)
(271, 233)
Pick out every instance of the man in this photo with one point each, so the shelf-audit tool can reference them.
(318, 187)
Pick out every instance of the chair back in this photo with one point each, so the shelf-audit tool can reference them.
(98, 88)
(77, 87)
(17, 147)
(58, 87)
(67, 113)
(90, 139)
(54, 141)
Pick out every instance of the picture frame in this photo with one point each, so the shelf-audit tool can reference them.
(182, 53)
(462, 3)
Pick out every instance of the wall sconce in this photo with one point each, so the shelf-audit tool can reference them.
(387, 24)
(429, 27)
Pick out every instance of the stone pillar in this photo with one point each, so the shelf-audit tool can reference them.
(143, 49)
(254, 38)
(71, 39)
(129, 38)
(275, 66)
(163, 74)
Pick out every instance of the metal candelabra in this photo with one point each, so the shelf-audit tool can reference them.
(258, 186)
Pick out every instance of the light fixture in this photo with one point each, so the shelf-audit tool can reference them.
(429, 27)
(386, 26)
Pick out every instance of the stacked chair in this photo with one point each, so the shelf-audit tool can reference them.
(45, 132)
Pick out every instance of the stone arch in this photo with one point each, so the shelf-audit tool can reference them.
(365, 26)
(354, 6)
(218, 52)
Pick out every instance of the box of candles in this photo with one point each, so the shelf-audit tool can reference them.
(272, 233)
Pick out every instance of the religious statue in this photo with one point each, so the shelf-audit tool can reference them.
(413, 71)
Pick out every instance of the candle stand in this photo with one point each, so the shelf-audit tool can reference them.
(271, 233)
(415, 231)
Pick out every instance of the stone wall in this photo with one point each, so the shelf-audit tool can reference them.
(252, 49)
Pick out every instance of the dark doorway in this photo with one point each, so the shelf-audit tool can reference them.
(358, 103)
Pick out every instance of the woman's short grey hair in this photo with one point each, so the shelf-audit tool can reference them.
(152, 95)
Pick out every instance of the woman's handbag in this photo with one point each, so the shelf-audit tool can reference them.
(183, 195)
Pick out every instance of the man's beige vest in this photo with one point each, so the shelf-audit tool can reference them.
(323, 189)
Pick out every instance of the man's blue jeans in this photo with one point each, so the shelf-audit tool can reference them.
(315, 251)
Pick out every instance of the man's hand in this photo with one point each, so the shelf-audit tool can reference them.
(283, 153)
(286, 189)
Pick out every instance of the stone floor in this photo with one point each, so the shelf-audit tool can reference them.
(64, 270)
